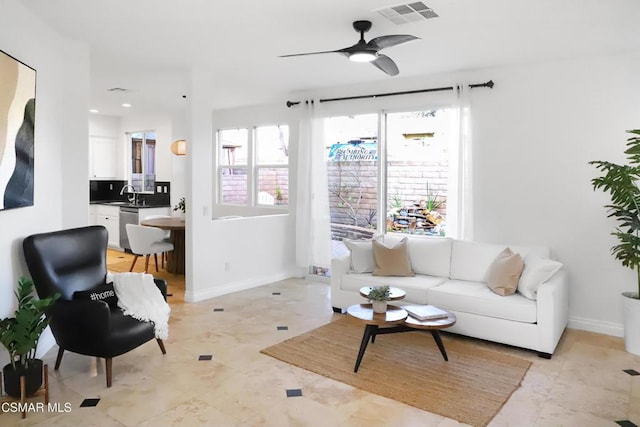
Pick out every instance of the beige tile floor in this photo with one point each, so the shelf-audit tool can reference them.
(583, 385)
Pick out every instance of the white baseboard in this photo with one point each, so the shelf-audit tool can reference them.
(607, 328)
(317, 278)
(242, 285)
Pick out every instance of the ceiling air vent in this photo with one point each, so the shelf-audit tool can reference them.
(410, 12)
(117, 89)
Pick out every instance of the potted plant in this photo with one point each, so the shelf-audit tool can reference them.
(20, 335)
(378, 298)
(180, 206)
(621, 182)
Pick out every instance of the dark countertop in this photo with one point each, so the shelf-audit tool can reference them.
(127, 204)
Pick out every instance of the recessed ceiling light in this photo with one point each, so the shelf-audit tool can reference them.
(93, 110)
(126, 105)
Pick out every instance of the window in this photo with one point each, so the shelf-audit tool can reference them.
(253, 167)
(272, 165)
(233, 155)
(417, 170)
(142, 147)
(411, 195)
(352, 171)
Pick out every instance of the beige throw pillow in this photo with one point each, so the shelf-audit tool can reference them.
(504, 273)
(391, 261)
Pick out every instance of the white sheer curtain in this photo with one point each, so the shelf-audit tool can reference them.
(460, 191)
(313, 232)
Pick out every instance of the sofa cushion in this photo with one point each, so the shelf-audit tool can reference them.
(416, 287)
(361, 255)
(477, 298)
(391, 261)
(430, 255)
(504, 273)
(471, 260)
(536, 271)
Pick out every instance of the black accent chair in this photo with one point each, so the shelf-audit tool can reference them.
(76, 260)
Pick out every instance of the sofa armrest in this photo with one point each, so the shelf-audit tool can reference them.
(339, 267)
(553, 310)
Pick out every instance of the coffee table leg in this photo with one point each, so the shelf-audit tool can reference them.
(369, 330)
(438, 340)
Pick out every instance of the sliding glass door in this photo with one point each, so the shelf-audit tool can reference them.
(352, 164)
(396, 182)
(417, 170)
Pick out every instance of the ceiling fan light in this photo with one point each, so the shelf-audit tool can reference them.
(362, 57)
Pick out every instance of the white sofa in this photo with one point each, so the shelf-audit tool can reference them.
(451, 274)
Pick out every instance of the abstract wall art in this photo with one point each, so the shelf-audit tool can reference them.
(17, 126)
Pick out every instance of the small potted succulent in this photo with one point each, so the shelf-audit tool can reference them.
(20, 335)
(378, 297)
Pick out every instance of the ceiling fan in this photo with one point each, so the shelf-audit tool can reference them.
(369, 51)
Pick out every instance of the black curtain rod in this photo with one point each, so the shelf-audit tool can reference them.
(488, 84)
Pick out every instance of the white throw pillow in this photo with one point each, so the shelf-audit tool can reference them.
(361, 255)
(536, 271)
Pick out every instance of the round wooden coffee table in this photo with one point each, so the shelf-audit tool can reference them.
(395, 320)
(394, 293)
(433, 326)
(364, 313)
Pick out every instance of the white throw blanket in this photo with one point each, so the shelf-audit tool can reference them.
(140, 298)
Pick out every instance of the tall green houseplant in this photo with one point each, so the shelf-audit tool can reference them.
(621, 182)
(20, 334)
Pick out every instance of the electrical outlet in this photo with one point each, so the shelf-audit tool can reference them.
(158, 189)
(165, 188)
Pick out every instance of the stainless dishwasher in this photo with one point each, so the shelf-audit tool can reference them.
(128, 215)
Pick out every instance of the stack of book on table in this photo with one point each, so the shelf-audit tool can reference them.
(425, 312)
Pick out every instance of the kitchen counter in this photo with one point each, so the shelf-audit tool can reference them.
(128, 204)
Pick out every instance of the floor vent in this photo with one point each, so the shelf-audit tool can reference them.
(405, 13)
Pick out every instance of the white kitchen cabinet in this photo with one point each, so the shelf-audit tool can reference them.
(93, 214)
(103, 157)
(109, 217)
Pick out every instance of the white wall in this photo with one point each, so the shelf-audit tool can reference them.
(226, 255)
(180, 129)
(61, 189)
(534, 134)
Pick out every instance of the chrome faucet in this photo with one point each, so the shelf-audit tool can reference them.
(133, 190)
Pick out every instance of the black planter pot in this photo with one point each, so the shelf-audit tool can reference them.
(32, 374)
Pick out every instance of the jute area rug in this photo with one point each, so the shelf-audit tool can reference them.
(408, 367)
